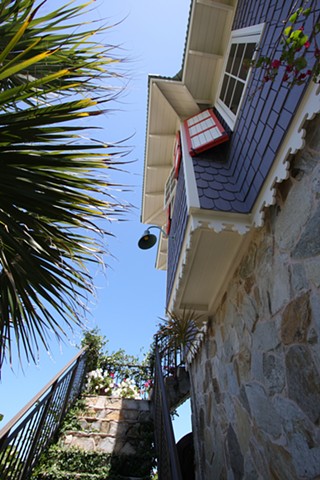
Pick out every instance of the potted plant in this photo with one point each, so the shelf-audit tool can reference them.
(179, 330)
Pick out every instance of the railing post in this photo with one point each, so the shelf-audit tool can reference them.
(161, 403)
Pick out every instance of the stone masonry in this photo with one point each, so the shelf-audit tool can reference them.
(255, 380)
(110, 425)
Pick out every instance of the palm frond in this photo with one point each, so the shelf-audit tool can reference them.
(179, 330)
(54, 190)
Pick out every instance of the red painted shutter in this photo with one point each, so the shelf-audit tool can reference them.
(177, 155)
(168, 224)
(204, 131)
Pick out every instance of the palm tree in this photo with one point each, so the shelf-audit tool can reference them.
(53, 184)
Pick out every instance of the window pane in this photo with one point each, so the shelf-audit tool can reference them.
(248, 54)
(230, 92)
(236, 97)
(231, 57)
(224, 87)
(238, 60)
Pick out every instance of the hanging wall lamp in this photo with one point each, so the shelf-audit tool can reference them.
(148, 240)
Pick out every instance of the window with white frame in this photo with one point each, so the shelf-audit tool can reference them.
(243, 44)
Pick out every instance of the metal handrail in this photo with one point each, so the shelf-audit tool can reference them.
(168, 461)
(25, 437)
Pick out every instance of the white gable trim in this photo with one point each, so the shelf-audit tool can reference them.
(189, 175)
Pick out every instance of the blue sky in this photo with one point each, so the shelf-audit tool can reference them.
(131, 292)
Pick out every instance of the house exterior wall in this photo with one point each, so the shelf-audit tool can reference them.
(177, 230)
(255, 380)
(263, 119)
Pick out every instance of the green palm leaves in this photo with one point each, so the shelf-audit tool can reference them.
(53, 184)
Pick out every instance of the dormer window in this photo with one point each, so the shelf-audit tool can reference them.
(242, 47)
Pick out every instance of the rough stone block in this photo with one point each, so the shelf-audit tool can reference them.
(274, 372)
(303, 381)
(109, 444)
(264, 414)
(293, 217)
(296, 320)
(309, 242)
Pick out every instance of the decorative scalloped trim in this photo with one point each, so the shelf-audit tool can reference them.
(218, 222)
(294, 141)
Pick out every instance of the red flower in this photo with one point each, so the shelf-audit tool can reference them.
(275, 64)
(307, 45)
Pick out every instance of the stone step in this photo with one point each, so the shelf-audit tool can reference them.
(102, 442)
(98, 402)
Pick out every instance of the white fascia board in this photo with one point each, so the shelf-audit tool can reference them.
(190, 179)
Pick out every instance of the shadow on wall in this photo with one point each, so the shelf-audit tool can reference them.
(185, 450)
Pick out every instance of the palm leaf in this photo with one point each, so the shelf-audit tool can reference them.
(54, 191)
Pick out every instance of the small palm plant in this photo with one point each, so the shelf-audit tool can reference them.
(178, 331)
(53, 185)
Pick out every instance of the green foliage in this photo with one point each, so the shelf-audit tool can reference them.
(54, 188)
(59, 462)
(179, 330)
(295, 45)
(114, 373)
(94, 342)
(10, 462)
(71, 419)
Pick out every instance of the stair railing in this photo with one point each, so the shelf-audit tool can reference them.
(26, 436)
(166, 451)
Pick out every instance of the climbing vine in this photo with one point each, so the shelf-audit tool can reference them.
(299, 56)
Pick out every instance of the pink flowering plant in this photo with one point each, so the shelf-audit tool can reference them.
(115, 374)
(101, 382)
(292, 62)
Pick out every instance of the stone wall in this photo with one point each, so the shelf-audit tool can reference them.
(102, 438)
(111, 425)
(255, 381)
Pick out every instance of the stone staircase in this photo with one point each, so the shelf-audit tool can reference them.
(114, 440)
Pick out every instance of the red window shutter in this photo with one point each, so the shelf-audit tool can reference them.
(204, 131)
(177, 155)
(168, 224)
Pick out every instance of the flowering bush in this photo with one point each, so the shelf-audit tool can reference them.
(126, 389)
(115, 374)
(103, 383)
(100, 382)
